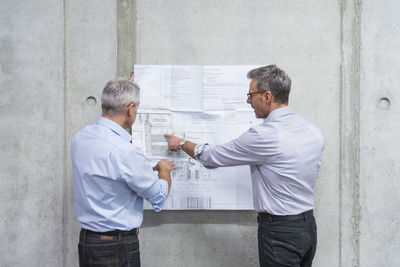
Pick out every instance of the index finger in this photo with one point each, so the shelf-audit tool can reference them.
(169, 135)
(172, 165)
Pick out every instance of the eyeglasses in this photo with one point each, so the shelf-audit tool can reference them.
(250, 95)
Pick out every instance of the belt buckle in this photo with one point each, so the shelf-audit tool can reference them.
(106, 237)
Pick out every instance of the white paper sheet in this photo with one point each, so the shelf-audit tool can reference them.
(202, 104)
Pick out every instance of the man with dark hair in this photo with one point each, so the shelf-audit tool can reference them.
(284, 154)
(111, 179)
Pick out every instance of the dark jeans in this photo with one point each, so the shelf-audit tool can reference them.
(287, 243)
(111, 249)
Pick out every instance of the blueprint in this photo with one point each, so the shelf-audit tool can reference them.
(204, 104)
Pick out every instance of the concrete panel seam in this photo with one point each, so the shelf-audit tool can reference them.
(349, 129)
(64, 197)
(126, 37)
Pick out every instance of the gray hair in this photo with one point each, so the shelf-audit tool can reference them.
(117, 94)
(273, 79)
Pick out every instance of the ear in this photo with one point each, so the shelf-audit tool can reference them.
(130, 108)
(268, 96)
(134, 107)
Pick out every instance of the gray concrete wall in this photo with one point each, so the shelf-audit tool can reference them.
(341, 55)
(32, 136)
(379, 139)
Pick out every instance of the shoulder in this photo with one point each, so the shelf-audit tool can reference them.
(265, 129)
(82, 133)
(261, 134)
(309, 123)
(313, 129)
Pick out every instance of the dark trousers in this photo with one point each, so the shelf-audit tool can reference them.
(110, 249)
(286, 240)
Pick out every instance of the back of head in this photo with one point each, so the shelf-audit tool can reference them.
(117, 95)
(271, 78)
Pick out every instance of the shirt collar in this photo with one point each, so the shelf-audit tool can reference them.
(115, 127)
(279, 112)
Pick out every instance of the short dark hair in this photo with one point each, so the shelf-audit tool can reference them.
(273, 79)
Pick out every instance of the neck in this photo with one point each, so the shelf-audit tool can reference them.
(120, 120)
(276, 106)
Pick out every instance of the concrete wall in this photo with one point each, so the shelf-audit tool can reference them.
(379, 140)
(32, 136)
(341, 55)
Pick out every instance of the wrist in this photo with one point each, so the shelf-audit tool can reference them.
(181, 143)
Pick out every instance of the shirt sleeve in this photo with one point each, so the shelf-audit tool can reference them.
(137, 173)
(248, 149)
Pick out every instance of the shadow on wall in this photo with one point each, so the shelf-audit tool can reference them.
(245, 218)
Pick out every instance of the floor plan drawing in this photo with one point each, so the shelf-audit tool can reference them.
(201, 104)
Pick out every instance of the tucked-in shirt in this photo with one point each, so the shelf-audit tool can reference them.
(284, 154)
(111, 179)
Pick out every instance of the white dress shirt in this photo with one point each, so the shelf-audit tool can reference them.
(284, 154)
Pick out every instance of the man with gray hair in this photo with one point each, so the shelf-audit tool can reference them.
(284, 155)
(111, 179)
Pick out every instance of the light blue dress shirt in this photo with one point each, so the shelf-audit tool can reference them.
(111, 178)
(284, 154)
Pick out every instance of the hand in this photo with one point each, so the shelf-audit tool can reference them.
(164, 165)
(173, 143)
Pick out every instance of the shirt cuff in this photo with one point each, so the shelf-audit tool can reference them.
(158, 200)
(198, 149)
